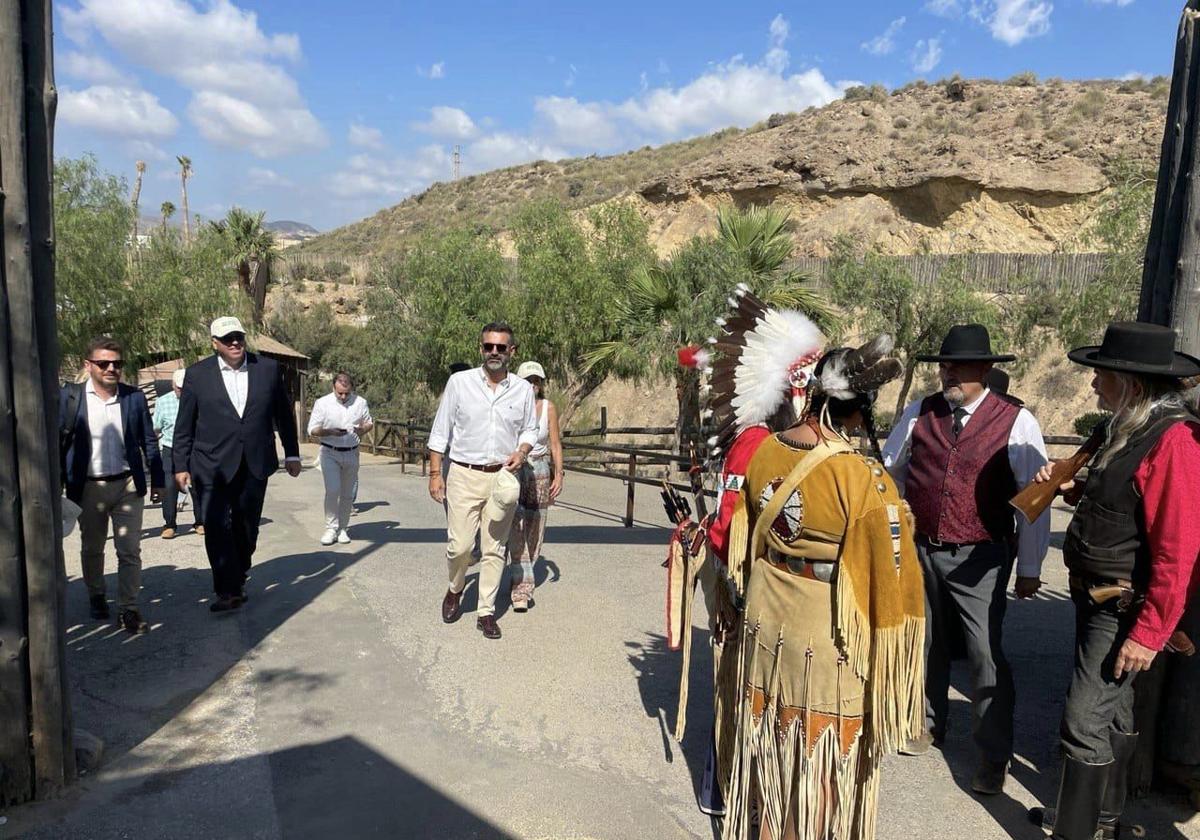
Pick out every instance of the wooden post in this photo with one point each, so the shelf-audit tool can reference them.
(404, 448)
(36, 753)
(603, 422)
(630, 485)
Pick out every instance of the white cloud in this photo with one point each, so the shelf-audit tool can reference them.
(369, 176)
(259, 176)
(437, 70)
(576, 124)
(241, 95)
(944, 8)
(92, 68)
(926, 55)
(448, 123)
(502, 149)
(570, 80)
(1013, 21)
(885, 42)
(777, 57)
(365, 136)
(1135, 76)
(145, 150)
(121, 111)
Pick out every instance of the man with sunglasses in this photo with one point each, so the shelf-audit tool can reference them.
(486, 424)
(225, 445)
(108, 448)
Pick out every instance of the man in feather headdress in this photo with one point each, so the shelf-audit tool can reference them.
(958, 457)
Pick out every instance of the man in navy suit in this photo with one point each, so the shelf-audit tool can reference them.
(232, 404)
(108, 447)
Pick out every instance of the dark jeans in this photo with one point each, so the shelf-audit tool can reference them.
(1096, 701)
(968, 585)
(231, 514)
(170, 502)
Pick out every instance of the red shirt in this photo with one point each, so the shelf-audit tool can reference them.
(1168, 480)
(733, 475)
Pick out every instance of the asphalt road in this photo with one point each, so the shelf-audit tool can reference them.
(337, 704)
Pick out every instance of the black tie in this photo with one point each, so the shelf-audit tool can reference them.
(959, 414)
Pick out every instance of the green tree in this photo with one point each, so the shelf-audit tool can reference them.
(675, 302)
(158, 304)
(1120, 231)
(883, 296)
(253, 248)
(167, 209)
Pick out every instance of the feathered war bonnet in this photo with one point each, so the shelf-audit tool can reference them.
(848, 373)
(761, 357)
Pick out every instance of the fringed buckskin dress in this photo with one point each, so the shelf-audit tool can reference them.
(827, 676)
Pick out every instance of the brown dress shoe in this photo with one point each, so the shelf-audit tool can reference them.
(133, 622)
(200, 530)
(225, 603)
(487, 624)
(451, 607)
(168, 533)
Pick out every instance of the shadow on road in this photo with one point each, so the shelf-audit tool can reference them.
(335, 788)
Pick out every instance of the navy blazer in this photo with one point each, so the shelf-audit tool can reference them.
(211, 441)
(141, 444)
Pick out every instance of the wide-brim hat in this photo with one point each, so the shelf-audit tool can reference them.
(1134, 347)
(967, 343)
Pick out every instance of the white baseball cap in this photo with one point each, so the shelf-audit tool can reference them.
(225, 325)
(528, 369)
(177, 378)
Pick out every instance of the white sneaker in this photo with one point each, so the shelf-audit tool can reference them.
(328, 537)
(343, 537)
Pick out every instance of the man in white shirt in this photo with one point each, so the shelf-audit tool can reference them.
(958, 457)
(486, 424)
(110, 460)
(339, 419)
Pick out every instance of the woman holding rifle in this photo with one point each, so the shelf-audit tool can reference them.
(1131, 550)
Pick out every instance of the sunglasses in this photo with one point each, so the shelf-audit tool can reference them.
(232, 338)
(104, 364)
(488, 347)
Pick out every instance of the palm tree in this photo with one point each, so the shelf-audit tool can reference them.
(168, 210)
(253, 248)
(675, 303)
(185, 172)
(137, 191)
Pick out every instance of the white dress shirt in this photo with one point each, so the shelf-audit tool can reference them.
(481, 425)
(237, 383)
(108, 433)
(329, 412)
(1026, 455)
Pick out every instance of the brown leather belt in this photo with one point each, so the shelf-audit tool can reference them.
(487, 468)
(121, 476)
(805, 571)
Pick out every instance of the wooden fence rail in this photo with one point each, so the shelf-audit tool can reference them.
(408, 441)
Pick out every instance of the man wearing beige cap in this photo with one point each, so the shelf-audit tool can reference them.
(225, 447)
(486, 424)
(166, 409)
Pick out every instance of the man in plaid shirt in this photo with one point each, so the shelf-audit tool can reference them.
(165, 410)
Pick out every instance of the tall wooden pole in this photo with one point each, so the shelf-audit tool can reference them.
(36, 754)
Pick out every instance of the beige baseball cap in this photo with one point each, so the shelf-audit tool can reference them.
(225, 325)
(177, 378)
(528, 369)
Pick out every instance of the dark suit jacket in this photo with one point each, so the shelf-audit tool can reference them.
(141, 445)
(212, 441)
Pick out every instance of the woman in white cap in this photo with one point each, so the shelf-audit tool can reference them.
(541, 481)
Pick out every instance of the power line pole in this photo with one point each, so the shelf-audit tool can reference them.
(457, 161)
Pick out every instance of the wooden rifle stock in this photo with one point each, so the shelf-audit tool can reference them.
(1036, 497)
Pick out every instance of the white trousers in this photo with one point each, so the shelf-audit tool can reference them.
(472, 508)
(340, 471)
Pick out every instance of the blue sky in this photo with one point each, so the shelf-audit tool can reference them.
(325, 112)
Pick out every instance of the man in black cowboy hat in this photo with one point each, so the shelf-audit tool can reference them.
(1131, 549)
(959, 456)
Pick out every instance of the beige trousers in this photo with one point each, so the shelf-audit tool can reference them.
(120, 502)
(472, 507)
(340, 471)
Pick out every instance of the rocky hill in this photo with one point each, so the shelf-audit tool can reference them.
(951, 167)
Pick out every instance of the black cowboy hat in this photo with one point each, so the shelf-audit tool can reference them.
(1134, 347)
(967, 343)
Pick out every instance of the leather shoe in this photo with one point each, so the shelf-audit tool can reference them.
(168, 533)
(451, 607)
(225, 603)
(989, 778)
(99, 606)
(200, 530)
(487, 624)
(921, 744)
(133, 622)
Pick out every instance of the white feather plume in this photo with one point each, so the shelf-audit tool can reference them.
(772, 347)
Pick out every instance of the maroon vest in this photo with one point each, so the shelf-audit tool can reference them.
(959, 488)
